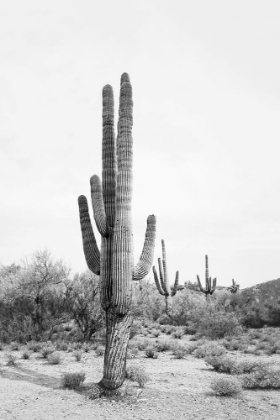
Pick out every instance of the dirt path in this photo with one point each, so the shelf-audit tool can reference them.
(179, 389)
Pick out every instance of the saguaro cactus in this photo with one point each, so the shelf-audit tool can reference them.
(210, 287)
(163, 285)
(111, 203)
(234, 288)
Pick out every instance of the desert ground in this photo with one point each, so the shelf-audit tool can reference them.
(32, 389)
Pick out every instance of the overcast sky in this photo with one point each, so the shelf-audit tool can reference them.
(206, 90)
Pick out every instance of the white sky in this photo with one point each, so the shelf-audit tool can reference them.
(206, 86)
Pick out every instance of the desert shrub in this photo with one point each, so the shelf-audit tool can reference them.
(34, 346)
(137, 374)
(99, 351)
(178, 333)
(231, 365)
(26, 355)
(11, 359)
(142, 344)
(209, 349)
(132, 347)
(163, 345)
(186, 307)
(46, 350)
(221, 363)
(14, 346)
(179, 352)
(73, 380)
(61, 345)
(77, 346)
(86, 348)
(54, 358)
(78, 355)
(264, 376)
(134, 330)
(151, 352)
(155, 332)
(163, 320)
(218, 325)
(226, 386)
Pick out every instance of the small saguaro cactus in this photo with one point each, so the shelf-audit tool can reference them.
(111, 203)
(163, 285)
(234, 288)
(210, 287)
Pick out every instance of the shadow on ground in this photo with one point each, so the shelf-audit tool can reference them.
(18, 373)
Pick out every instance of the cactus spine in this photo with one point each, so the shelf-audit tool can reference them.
(111, 202)
(163, 285)
(210, 287)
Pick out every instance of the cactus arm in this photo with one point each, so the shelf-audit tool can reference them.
(161, 276)
(98, 205)
(174, 290)
(214, 284)
(165, 273)
(146, 259)
(91, 251)
(200, 285)
(109, 161)
(157, 281)
(122, 267)
(209, 284)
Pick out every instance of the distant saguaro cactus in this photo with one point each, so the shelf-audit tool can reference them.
(163, 285)
(234, 288)
(111, 203)
(210, 287)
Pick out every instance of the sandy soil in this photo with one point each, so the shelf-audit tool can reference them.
(179, 389)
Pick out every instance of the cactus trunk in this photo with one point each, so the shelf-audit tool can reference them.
(117, 337)
(111, 203)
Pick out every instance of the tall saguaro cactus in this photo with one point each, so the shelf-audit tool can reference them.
(111, 202)
(163, 285)
(209, 288)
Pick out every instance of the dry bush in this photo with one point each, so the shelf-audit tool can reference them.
(179, 351)
(178, 333)
(163, 345)
(263, 376)
(73, 380)
(100, 351)
(155, 332)
(137, 374)
(11, 359)
(209, 349)
(34, 346)
(26, 355)
(54, 358)
(151, 352)
(14, 346)
(226, 386)
(46, 350)
(78, 355)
